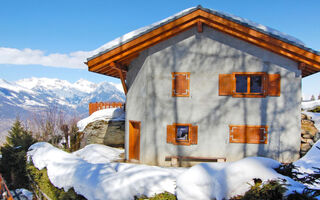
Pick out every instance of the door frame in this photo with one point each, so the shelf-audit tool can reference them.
(131, 129)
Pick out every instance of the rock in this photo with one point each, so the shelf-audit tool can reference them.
(309, 134)
(305, 147)
(308, 126)
(305, 117)
(109, 133)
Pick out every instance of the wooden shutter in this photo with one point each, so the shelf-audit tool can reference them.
(180, 84)
(194, 135)
(225, 84)
(248, 134)
(171, 134)
(274, 85)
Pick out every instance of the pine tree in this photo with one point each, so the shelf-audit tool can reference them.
(313, 98)
(13, 161)
(319, 97)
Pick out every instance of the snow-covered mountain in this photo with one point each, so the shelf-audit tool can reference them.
(23, 97)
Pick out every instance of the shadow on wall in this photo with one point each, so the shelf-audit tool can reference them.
(175, 56)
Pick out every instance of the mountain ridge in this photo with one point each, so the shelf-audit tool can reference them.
(23, 97)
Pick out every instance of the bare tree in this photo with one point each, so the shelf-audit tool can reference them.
(51, 125)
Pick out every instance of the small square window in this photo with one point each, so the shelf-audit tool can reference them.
(182, 133)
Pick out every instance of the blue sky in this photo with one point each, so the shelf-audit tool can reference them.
(38, 28)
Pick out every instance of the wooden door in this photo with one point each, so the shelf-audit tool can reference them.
(134, 140)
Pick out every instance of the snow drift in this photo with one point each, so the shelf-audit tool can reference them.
(105, 179)
(95, 180)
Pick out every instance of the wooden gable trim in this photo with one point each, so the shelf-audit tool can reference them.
(126, 52)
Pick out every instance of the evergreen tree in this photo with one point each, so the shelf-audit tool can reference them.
(13, 161)
(319, 97)
(313, 98)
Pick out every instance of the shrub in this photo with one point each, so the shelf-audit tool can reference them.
(161, 196)
(40, 179)
(305, 195)
(271, 189)
(317, 110)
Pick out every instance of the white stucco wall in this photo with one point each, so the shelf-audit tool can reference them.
(206, 55)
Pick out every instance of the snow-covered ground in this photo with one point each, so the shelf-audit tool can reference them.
(22, 193)
(97, 178)
(105, 114)
(307, 163)
(308, 105)
(98, 153)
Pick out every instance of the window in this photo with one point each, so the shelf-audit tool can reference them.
(248, 134)
(180, 84)
(249, 84)
(182, 134)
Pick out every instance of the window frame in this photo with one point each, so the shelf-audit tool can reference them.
(174, 74)
(248, 93)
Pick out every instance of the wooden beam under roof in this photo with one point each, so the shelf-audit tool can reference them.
(118, 67)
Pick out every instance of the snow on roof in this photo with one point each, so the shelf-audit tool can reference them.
(105, 114)
(245, 22)
(110, 180)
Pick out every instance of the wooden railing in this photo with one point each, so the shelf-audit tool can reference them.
(93, 107)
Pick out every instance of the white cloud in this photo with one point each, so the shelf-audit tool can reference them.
(37, 57)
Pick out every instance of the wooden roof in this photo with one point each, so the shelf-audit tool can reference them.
(117, 59)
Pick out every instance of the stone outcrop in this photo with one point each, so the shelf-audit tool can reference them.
(309, 134)
(109, 133)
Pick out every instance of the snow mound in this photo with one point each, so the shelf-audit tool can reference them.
(101, 181)
(307, 163)
(97, 153)
(105, 114)
(309, 105)
(225, 180)
(109, 180)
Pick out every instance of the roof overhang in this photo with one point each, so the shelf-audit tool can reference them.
(117, 59)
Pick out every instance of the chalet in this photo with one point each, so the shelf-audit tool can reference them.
(202, 86)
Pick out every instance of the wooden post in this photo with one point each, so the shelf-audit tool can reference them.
(302, 66)
(118, 67)
(200, 27)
